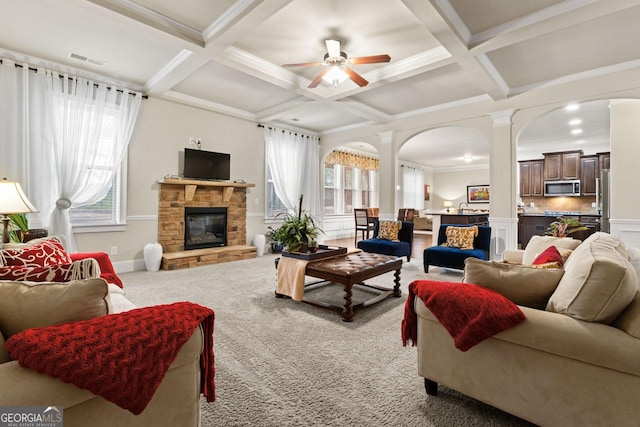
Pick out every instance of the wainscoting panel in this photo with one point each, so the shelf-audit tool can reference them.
(504, 235)
(627, 230)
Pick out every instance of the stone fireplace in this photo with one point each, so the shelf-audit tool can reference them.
(215, 211)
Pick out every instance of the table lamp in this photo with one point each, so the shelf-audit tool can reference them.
(448, 204)
(12, 201)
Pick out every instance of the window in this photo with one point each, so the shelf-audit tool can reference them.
(274, 204)
(111, 209)
(108, 211)
(329, 195)
(347, 187)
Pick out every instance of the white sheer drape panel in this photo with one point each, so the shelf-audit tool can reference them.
(293, 162)
(25, 136)
(92, 126)
(412, 187)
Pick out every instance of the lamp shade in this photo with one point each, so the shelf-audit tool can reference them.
(13, 200)
(448, 203)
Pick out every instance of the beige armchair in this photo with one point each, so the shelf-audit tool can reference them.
(175, 403)
(575, 363)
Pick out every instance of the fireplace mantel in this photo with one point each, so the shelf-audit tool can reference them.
(178, 194)
(190, 186)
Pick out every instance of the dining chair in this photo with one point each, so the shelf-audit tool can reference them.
(405, 214)
(364, 223)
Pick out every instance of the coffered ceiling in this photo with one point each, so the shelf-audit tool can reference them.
(226, 55)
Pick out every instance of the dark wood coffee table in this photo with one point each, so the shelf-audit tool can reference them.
(350, 270)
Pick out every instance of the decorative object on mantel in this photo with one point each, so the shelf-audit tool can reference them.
(12, 201)
(152, 256)
(298, 232)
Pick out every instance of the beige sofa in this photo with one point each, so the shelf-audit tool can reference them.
(175, 403)
(556, 368)
(422, 221)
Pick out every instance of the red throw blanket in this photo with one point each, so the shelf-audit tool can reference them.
(470, 313)
(122, 357)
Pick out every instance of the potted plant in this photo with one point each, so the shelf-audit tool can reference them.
(298, 232)
(562, 227)
(19, 231)
(274, 239)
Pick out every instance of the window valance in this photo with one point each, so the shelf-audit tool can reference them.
(360, 161)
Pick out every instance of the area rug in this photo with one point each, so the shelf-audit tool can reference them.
(286, 363)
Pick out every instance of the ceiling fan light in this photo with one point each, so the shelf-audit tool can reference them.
(335, 76)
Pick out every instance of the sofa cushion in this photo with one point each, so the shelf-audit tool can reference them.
(523, 285)
(77, 270)
(389, 230)
(461, 237)
(538, 244)
(25, 305)
(634, 258)
(629, 320)
(46, 253)
(598, 283)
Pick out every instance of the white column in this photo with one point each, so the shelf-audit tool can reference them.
(387, 175)
(502, 217)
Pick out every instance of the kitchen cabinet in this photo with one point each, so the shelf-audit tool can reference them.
(562, 166)
(589, 171)
(465, 219)
(531, 178)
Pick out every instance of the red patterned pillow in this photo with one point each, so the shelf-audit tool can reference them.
(49, 252)
(84, 269)
(549, 255)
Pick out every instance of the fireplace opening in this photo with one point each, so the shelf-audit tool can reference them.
(205, 228)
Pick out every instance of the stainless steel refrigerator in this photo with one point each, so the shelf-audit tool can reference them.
(603, 199)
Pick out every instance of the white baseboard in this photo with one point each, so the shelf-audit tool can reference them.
(129, 266)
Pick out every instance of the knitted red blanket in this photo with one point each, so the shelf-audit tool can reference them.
(470, 313)
(122, 357)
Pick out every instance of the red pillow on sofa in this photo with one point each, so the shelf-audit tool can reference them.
(44, 254)
(77, 270)
(549, 255)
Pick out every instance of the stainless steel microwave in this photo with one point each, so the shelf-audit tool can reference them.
(562, 188)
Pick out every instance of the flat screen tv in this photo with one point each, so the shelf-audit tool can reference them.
(206, 165)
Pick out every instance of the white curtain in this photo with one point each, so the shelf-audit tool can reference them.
(92, 125)
(293, 162)
(412, 187)
(25, 136)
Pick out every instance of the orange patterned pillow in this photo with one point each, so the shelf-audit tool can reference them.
(461, 237)
(389, 230)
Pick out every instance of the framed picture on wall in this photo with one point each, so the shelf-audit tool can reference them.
(427, 192)
(477, 194)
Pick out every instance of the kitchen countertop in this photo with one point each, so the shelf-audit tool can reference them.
(556, 215)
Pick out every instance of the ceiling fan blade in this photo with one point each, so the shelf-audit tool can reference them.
(304, 64)
(318, 79)
(333, 48)
(370, 59)
(357, 78)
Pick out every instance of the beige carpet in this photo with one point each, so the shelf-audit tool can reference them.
(283, 363)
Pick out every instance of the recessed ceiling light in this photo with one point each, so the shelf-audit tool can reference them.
(575, 122)
(295, 119)
(467, 158)
(576, 131)
(572, 107)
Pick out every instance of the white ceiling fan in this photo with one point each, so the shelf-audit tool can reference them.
(338, 64)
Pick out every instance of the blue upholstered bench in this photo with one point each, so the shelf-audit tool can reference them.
(444, 256)
(387, 247)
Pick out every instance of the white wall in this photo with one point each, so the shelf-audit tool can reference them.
(161, 133)
(453, 186)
